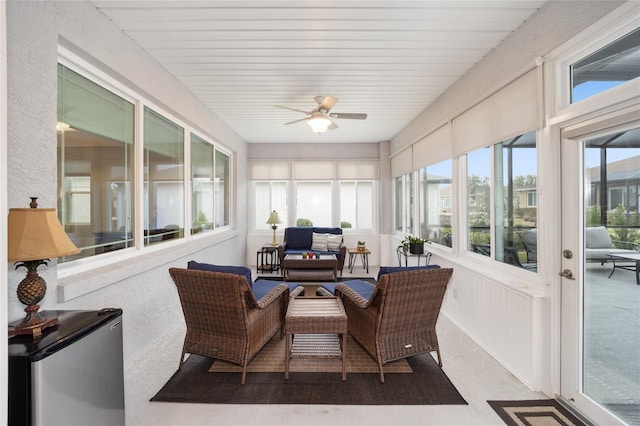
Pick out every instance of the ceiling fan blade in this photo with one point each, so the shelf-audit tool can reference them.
(297, 121)
(328, 102)
(293, 109)
(332, 126)
(348, 115)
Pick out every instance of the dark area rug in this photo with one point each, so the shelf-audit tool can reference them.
(428, 385)
(542, 412)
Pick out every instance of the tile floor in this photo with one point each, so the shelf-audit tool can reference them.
(476, 375)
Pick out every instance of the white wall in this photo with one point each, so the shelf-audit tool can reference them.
(506, 312)
(139, 284)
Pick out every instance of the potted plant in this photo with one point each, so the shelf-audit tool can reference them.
(414, 244)
(361, 246)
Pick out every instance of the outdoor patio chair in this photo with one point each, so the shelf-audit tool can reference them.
(399, 319)
(529, 238)
(224, 319)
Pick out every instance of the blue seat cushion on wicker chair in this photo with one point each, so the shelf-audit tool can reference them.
(391, 269)
(363, 288)
(262, 287)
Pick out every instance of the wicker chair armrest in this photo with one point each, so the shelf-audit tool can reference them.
(273, 295)
(343, 290)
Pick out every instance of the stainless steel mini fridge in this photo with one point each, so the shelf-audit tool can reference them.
(72, 375)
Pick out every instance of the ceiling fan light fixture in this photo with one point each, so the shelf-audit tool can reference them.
(319, 124)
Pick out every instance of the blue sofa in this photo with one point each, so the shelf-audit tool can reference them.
(365, 288)
(299, 239)
(258, 287)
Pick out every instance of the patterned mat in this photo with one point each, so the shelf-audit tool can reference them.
(271, 357)
(537, 412)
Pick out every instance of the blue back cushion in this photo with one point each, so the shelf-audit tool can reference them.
(391, 269)
(299, 238)
(238, 270)
(319, 230)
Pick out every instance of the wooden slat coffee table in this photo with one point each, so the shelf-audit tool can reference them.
(316, 315)
(297, 268)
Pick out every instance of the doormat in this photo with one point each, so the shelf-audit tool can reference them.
(536, 412)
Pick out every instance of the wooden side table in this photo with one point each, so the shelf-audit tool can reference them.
(268, 259)
(316, 315)
(353, 255)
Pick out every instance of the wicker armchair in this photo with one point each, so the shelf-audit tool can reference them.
(399, 319)
(224, 320)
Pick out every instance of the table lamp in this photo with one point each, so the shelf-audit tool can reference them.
(35, 236)
(273, 220)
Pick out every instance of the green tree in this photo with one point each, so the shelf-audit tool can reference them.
(524, 181)
(592, 216)
(304, 222)
(623, 224)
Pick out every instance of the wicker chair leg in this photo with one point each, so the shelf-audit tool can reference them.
(181, 359)
(439, 357)
(244, 373)
(381, 371)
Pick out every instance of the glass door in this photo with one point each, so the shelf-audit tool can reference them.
(600, 293)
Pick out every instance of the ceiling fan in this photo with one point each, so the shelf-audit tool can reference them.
(321, 118)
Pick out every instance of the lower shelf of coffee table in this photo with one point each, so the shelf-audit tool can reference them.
(316, 345)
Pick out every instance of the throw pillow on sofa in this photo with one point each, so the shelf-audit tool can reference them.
(319, 242)
(333, 242)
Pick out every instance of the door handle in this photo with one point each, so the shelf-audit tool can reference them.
(567, 274)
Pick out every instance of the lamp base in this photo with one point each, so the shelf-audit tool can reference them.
(33, 323)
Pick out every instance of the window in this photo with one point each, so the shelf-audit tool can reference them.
(313, 203)
(202, 185)
(95, 165)
(96, 157)
(399, 204)
(479, 201)
(515, 201)
(513, 188)
(435, 203)
(609, 67)
(270, 196)
(222, 201)
(163, 178)
(404, 203)
(356, 205)
(613, 173)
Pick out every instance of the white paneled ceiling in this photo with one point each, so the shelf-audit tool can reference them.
(388, 59)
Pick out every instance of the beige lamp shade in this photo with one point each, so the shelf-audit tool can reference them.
(36, 234)
(274, 218)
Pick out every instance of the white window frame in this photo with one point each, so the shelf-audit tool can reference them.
(72, 275)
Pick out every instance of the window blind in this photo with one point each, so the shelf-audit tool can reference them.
(269, 169)
(433, 148)
(402, 162)
(511, 111)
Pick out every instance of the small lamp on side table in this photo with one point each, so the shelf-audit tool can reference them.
(35, 236)
(273, 220)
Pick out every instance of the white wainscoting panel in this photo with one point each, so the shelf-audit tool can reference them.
(502, 320)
